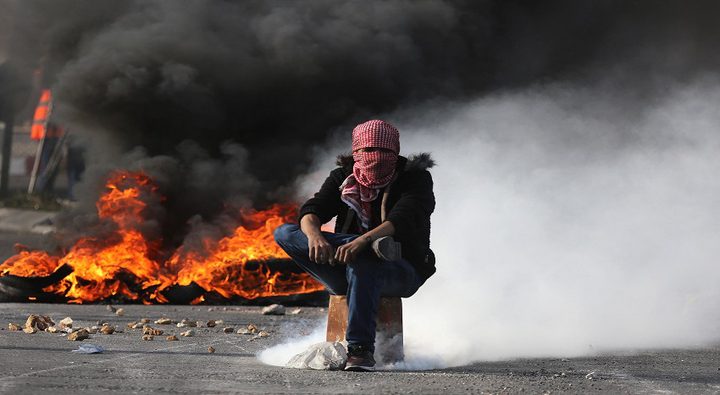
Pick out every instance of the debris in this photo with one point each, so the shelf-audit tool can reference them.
(211, 324)
(13, 327)
(252, 329)
(243, 331)
(320, 356)
(274, 309)
(228, 330)
(152, 331)
(93, 329)
(107, 330)
(131, 325)
(163, 321)
(41, 322)
(187, 323)
(66, 322)
(79, 335)
(148, 338)
(172, 338)
(211, 349)
(188, 333)
(52, 329)
(260, 334)
(88, 349)
(111, 309)
(295, 311)
(29, 329)
(120, 312)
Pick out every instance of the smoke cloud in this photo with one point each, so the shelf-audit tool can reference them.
(567, 224)
(576, 140)
(276, 76)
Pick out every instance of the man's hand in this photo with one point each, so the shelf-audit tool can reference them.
(347, 253)
(320, 250)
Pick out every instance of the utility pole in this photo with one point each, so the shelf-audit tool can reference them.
(6, 149)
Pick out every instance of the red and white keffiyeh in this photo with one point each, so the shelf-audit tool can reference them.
(372, 171)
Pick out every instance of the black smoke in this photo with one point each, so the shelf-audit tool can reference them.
(231, 96)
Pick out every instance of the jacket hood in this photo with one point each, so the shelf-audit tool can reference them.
(421, 161)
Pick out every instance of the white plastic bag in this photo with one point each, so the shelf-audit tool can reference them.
(320, 356)
(89, 349)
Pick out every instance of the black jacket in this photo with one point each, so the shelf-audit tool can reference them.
(409, 204)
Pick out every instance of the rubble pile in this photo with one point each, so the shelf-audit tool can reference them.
(73, 331)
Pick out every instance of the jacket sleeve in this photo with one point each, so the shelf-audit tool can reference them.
(326, 203)
(416, 201)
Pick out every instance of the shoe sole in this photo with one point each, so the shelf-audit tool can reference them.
(357, 368)
(387, 249)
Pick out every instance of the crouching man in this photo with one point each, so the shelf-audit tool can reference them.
(381, 244)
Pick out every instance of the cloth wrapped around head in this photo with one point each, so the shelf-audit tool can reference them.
(373, 169)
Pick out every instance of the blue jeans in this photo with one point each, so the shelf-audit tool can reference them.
(363, 281)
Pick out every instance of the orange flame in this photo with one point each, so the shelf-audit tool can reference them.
(225, 269)
(126, 263)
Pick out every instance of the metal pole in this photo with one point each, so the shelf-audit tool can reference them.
(6, 152)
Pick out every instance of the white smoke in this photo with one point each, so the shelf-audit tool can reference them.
(567, 223)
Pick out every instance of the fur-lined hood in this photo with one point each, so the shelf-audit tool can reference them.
(421, 161)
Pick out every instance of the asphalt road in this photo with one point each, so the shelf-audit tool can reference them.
(43, 362)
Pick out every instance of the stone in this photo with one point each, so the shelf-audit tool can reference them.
(13, 327)
(152, 331)
(320, 356)
(144, 320)
(211, 349)
(107, 330)
(172, 338)
(29, 329)
(163, 321)
(252, 329)
(120, 312)
(188, 333)
(79, 335)
(274, 309)
(228, 330)
(66, 322)
(111, 309)
(52, 329)
(148, 338)
(211, 324)
(295, 311)
(37, 322)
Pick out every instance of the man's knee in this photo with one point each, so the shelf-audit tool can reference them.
(284, 233)
(362, 268)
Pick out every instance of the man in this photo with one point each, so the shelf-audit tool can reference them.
(383, 203)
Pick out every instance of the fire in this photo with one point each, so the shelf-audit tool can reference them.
(229, 257)
(30, 264)
(126, 263)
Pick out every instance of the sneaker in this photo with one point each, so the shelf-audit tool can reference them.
(360, 359)
(387, 249)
